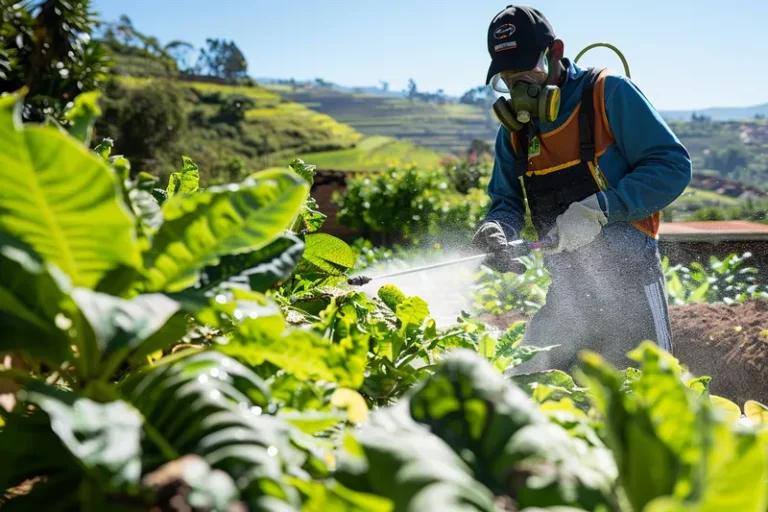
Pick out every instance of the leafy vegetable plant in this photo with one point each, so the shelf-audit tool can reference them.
(187, 346)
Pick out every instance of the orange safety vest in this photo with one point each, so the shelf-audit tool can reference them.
(560, 167)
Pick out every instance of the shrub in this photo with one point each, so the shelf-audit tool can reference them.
(410, 205)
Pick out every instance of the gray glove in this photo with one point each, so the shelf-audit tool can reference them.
(490, 238)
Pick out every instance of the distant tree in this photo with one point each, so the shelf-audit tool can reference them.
(384, 86)
(695, 118)
(47, 47)
(412, 90)
(726, 160)
(222, 59)
(125, 30)
(481, 95)
(181, 52)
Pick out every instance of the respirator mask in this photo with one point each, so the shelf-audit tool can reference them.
(529, 98)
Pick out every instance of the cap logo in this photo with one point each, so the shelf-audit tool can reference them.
(504, 31)
(511, 45)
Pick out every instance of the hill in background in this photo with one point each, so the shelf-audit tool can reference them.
(718, 113)
(228, 124)
(440, 124)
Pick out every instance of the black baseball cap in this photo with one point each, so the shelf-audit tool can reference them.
(516, 37)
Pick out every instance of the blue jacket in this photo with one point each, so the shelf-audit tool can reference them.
(647, 167)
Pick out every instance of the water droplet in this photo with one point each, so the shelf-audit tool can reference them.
(214, 373)
(215, 394)
(272, 451)
(238, 314)
(62, 322)
(223, 375)
(256, 410)
(221, 299)
(202, 379)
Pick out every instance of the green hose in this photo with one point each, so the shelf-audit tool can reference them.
(607, 45)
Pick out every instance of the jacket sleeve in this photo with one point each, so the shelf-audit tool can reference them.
(660, 166)
(504, 189)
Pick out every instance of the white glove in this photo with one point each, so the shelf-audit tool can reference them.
(578, 226)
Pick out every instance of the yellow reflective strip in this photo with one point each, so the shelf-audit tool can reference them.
(598, 179)
(556, 168)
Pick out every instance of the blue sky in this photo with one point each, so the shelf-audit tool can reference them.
(684, 54)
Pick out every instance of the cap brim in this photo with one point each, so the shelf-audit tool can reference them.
(512, 60)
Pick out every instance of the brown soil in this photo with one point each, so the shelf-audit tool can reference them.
(728, 343)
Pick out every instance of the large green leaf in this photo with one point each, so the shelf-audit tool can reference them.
(328, 253)
(653, 420)
(83, 449)
(511, 446)
(44, 316)
(118, 328)
(232, 219)
(33, 296)
(208, 404)
(64, 201)
(259, 269)
(262, 335)
(102, 436)
(736, 477)
(394, 457)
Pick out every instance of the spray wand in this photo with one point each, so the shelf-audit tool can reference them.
(515, 249)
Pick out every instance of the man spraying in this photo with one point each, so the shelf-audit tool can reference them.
(597, 164)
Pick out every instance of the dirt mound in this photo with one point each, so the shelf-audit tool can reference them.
(728, 343)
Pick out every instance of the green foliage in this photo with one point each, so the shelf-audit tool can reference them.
(65, 207)
(72, 62)
(654, 420)
(186, 181)
(498, 293)
(410, 204)
(225, 363)
(146, 123)
(725, 280)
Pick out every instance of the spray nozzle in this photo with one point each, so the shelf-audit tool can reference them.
(359, 280)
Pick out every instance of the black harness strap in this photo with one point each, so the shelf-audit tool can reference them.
(550, 195)
(587, 117)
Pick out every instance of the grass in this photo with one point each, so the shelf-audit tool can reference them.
(372, 153)
(448, 127)
(694, 199)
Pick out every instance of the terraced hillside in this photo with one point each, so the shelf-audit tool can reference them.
(226, 128)
(443, 127)
(372, 154)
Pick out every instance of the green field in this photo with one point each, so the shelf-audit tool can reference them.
(371, 154)
(447, 127)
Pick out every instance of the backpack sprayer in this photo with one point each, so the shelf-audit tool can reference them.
(515, 249)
